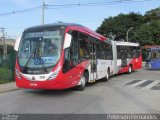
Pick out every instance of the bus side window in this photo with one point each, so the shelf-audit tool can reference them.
(109, 54)
(83, 46)
(98, 51)
(130, 54)
(103, 51)
(134, 52)
(118, 52)
(138, 51)
(74, 49)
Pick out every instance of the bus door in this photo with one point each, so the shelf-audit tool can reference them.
(93, 62)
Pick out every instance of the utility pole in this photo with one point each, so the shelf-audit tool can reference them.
(43, 8)
(128, 32)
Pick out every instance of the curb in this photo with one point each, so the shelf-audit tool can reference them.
(8, 87)
(9, 90)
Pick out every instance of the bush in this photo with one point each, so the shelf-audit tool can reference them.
(5, 75)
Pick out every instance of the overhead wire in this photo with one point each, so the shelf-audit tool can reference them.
(21, 11)
(60, 6)
(93, 4)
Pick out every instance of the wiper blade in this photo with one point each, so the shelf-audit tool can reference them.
(43, 66)
(25, 66)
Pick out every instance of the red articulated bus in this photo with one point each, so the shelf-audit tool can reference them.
(127, 56)
(63, 55)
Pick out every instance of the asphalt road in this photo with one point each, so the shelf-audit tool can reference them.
(138, 92)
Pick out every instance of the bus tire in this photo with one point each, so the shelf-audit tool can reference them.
(130, 69)
(83, 83)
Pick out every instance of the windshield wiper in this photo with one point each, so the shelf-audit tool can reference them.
(25, 66)
(43, 66)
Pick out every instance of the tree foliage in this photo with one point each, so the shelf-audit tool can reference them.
(9, 49)
(153, 14)
(145, 27)
(148, 33)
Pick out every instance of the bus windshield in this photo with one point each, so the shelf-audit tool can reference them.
(40, 49)
(153, 54)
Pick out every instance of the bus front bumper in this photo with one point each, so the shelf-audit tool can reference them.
(48, 84)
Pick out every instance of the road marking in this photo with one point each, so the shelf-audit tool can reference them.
(132, 82)
(137, 83)
(144, 84)
(141, 84)
(151, 85)
(156, 87)
(121, 83)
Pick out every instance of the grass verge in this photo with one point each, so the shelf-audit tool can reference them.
(5, 75)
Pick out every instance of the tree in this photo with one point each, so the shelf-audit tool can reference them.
(148, 33)
(153, 14)
(119, 25)
(10, 49)
(1, 49)
(146, 28)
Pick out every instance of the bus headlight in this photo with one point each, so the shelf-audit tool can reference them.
(55, 73)
(17, 73)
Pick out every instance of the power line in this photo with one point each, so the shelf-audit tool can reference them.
(98, 3)
(60, 6)
(21, 11)
(93, 4)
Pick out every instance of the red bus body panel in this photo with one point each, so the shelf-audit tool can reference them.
(62, 81)
(136, 64)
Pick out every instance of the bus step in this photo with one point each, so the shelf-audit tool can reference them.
(92, 81)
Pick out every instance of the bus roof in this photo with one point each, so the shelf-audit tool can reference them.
(126, 43)
(91, 32)
(156, 48)
(151, 46)
(52, 25)
(87, 30)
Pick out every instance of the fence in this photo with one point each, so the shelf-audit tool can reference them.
(7, 67)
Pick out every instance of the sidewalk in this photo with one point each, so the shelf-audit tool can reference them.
(6, 87)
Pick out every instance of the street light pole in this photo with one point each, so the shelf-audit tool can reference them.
(128, 32)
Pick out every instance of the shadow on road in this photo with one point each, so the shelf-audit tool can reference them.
(50, 92)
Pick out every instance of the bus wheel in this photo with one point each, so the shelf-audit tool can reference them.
(83, 84)
(130, 69)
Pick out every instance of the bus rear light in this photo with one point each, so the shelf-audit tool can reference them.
(55, 73)
(18, 73)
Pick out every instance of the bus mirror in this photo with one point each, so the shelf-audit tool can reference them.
(67, 41)
(16, 45)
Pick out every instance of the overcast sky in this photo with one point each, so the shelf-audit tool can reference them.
(89, 16)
